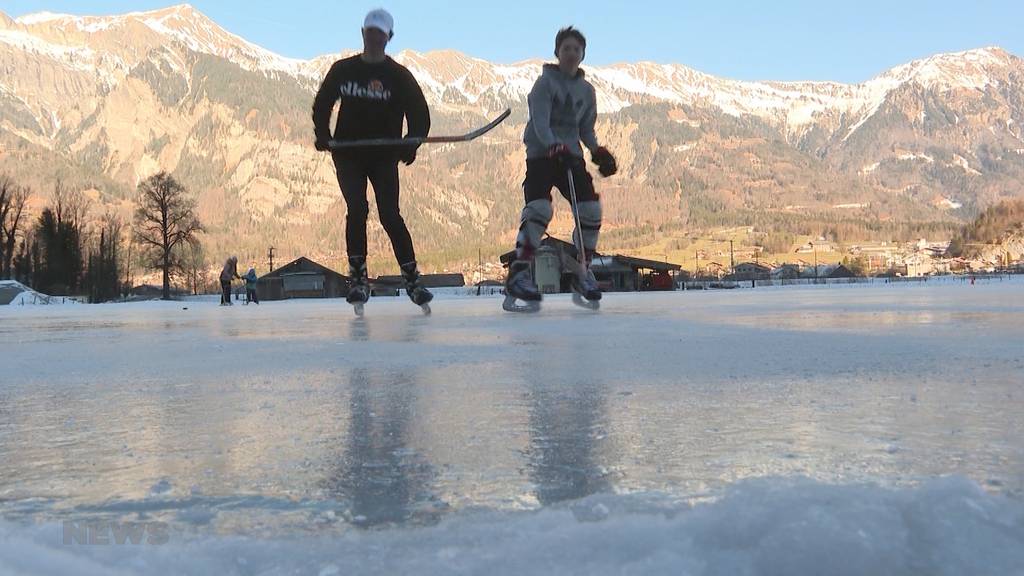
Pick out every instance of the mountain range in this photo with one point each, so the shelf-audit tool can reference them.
(103, 102)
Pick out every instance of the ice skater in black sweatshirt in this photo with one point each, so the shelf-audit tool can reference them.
(376, 95)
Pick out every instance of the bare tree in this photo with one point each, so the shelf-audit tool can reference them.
(70, 205)
(165, 220)
(196, 269)
(12, 207)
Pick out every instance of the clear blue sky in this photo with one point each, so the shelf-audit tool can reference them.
(849, 41)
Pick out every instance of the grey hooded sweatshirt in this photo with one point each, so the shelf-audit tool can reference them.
(563, 110)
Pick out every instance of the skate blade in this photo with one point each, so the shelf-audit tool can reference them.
(358, 307)
(510, 305)
(426, 309)
(582, 302)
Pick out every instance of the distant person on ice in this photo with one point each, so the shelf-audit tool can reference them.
(563, 111)
(376, 94)
(229, 273)
(250, 286)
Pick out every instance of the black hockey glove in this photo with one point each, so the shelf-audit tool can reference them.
(606, 164)
(407, 154)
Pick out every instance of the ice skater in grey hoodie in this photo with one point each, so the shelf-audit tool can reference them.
(563, 111)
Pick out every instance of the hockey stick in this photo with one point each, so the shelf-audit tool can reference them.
(337, 144)
(576, 297)
(576, 215)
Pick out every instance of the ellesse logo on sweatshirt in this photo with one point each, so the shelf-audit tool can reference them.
(373, 91)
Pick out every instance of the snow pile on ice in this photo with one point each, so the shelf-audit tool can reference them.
(15, 293)
(946, 526)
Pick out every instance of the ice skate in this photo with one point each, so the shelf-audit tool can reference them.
(585, 291)
(520, 287)
(359, 290)
(414, 288)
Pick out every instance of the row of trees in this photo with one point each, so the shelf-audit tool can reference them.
(64, 252)
(13, 199)
(990, 227)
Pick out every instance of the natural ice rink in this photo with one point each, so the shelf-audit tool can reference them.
(815, 430)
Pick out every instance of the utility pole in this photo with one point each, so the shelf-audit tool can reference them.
(128, 267)
(815, 246)
(271, 256)
(732, 260)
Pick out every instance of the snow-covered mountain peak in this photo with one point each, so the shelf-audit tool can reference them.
(973, 69)
(181, 23)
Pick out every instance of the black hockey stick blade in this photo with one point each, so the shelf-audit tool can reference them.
(336, 144)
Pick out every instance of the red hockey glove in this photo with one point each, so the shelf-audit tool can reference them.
(559, 152)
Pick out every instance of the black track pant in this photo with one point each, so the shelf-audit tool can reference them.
(382, 173)
(225, 288)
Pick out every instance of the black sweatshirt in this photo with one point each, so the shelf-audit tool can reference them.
(374, 100)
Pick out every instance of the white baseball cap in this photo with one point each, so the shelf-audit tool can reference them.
(381, 20)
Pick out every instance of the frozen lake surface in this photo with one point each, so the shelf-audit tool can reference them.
(841, 430)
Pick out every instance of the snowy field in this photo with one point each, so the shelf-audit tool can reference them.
(816, 430)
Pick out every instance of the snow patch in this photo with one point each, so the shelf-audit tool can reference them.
(870, 168)
(687, 121)
(925, 157)
(74, 56)
(41, 18)
(851, 206)
(966, 70)
(868, 99)
(99, 25)
(862, 121)
(89, 24)
(55, 122)
(103, 66)
(951, 204)
(623, 79)
(945, 527)
(517, 79)
(14, 293)
(960, 161)
(202, 35)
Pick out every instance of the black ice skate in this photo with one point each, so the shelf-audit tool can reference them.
(359, 289)
(414, 288)
(585, 291)
(519, 286)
